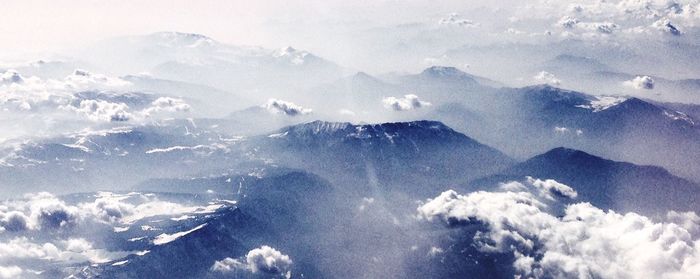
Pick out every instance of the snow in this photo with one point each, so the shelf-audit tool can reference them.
(167, 238)
(603, 102)
(120, 263)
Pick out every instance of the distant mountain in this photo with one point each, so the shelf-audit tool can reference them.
(198, 59)
(363, 94)
(609, 184)
(445, 84)
(205, 100)
(358, 92)
(524, 121)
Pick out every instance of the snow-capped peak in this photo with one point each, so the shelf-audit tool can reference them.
(603, 102)
(188, 40)
(295, 56)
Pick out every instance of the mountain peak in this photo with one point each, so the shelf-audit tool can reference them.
(180, 39)
(636, 105)
(366, 131)
(565, 153)
(443, 71)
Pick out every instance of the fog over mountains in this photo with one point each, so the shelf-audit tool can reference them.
(547, 139)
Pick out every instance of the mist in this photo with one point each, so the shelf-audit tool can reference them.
(363, 139)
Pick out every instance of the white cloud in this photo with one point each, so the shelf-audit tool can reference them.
(265, 260)
(568, 22)
(82, 79)
(283, 107)
(581, 242)
(99, 110)
(72, 250)
(10, 76)
(566, 130)
(44, 228)
(665, 25)
(548, 78)
(45, 211)
(27, 93)
(549, 187)
(167, 104)
(640, 82)
(456, 19)
(408, 102)
(10, 271)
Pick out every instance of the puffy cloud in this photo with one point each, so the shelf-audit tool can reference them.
(72, 250)
(10, 271)
(283, 107)
(44, 228)
(82, 79)
(566, 130)
(46, 211)
(27, 93)
(604, 27)
(665, 25)
(167, 104)
(259, 260)
(456, 19)
(106, 111)
(548, 78)
(49, 213)
(568, 22)
(551, 187)
(10, 76)
(408, 102)
(581, 242)
(640, 82)
(98, 110)
(14, 221)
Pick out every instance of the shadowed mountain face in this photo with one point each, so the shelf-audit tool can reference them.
(291, 211)
(609, 184)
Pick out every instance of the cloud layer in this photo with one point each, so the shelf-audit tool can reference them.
(581, 242)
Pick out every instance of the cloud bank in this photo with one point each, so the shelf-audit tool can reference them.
(581, 242)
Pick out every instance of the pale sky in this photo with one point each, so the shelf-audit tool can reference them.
(34, 25)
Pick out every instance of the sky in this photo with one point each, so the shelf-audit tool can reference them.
(38, 26)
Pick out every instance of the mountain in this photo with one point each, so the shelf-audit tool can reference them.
(198, 59)
(620, 186)
(356, 93)
(98, 160)
(441, 84)
(288, 211)
(416, 158)
(205, 100)
(363, 97)
(525, 121)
